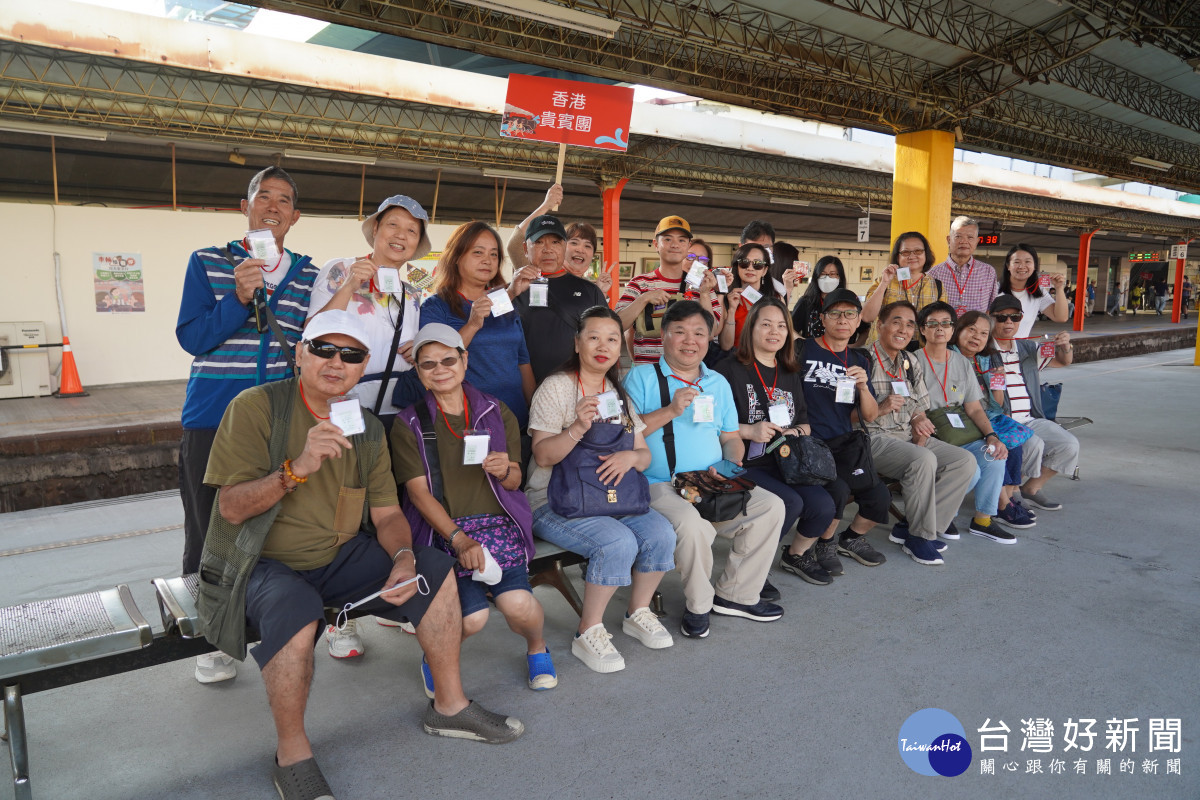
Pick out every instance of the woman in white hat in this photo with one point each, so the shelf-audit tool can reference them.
(389, 307)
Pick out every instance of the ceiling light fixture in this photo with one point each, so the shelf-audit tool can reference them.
(237, 158)
(1150, 163)
(1057, 228)
(337, 158)
(517, 175)
(677, 190)
(788, 201)
(65, 131)
(549, 12)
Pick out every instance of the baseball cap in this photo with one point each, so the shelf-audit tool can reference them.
(337, 321)
(841, 296)
(440, 333)
(1004, 302)
(543, 225)
(673, 224)
(412, 207)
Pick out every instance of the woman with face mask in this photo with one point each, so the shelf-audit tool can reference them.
(806, 316)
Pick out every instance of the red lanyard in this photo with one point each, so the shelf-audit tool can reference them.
(875, 347)
(306, 405)
(278, 261)
(845, 361)
(466, 416)
(770, 392)
(554, 274)
(945, 373)
(583, 391)
(966, 281)
(695, 385)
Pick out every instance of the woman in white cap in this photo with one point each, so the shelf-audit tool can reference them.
(389, 307)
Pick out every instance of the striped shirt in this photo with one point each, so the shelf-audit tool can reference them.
(1018, 392)
(647, 339)
(971, 287)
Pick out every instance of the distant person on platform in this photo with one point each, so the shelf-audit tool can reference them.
(968, 284)
(1160, 295)
(1187, 296)
(645, 299)
(217, 326)
(549, 298)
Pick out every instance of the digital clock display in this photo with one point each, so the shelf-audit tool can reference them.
(989, 240)
(1154, 255)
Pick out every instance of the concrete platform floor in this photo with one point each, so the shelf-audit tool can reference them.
(1094, 613)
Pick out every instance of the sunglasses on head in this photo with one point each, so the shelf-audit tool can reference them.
(1017, 317)
(431, 365)
(350, 355)
(746, 263)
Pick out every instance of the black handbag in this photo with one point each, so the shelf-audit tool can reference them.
(852, 455)
(575, 490)
(805, 461)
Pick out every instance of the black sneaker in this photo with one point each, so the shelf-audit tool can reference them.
(951, 533)
(861, 551)
(992, 531)
(825, 551)
(695, 626)
(769, 592)
(805, 567)
(1040, 500)
(759, 612)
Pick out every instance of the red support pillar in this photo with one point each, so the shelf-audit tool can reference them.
(612, 237)
(1177, 304)
(1085, 254)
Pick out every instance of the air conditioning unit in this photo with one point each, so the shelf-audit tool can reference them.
(24, 373)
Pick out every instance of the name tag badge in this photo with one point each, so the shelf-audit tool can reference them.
(722, 283)
(475, 447)
(501, 303)
(262, 244)
(539, 294)
(955, 421)
(900, 388)
(904, 273)
(779, 414)
(388, 280)
(998, 381)
(695, 275)
(1045, 282)
(610, 405)
(751, 294)
(845, 391)
(1047, 350)
(704, 408)
(347, 415)
(802, 270)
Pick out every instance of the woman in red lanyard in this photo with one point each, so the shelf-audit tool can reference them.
(911, 252)
(768, 391)
(751, 280)
(950, 379)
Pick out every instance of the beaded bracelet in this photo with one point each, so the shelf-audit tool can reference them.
(287, 469)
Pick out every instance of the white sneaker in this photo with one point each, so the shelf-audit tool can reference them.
(594, 648)
(407, 627)
(644, 626)
(344, 642)
(215, 667)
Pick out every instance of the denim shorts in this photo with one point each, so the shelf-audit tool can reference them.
(472, 594)
(613, 546)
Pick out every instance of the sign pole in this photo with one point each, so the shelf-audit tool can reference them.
(562, 158)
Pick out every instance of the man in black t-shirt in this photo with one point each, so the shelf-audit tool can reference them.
(550, 328)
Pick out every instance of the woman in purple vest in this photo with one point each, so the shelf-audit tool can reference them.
(455, 453)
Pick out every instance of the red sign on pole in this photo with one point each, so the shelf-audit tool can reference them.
(567, 112)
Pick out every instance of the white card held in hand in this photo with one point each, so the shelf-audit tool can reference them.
(722, 283)
(900, 388)
(262, 244)
(347, 415)
(475, 447)
(695, 275)
(539, 294)
(610, 405)
(955, 421)
(904, 273)
(501, 302)
(845, 391)
(779, 414)
(387, 280)
(751, 294)
(704, 408)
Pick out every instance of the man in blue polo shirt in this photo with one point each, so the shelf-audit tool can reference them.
(704, 422)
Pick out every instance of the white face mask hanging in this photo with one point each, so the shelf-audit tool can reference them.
(344, 614)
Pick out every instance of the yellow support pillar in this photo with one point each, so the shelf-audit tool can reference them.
(922, 187)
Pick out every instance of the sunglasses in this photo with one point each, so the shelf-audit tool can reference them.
(1008, 317)
(746, 263)
(325, 350)
(943, 324)
(430, 366)
(693, 257)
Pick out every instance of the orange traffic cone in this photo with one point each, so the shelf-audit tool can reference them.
(68, 383)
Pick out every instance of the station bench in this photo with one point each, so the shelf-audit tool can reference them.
(49, 644)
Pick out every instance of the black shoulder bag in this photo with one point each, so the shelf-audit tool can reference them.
(852, 455)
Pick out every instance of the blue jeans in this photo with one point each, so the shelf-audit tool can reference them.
(613, 546)
(991, 479)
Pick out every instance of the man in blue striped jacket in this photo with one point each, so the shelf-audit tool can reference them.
(217, 326)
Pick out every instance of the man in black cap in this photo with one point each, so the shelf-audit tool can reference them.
(550, 299)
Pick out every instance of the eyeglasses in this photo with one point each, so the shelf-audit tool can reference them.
(851, 314)
(325, 350)
(920, 252)
(430, 366)
(694, 257)
(942, 324)
(1008, 317)
(746, 263)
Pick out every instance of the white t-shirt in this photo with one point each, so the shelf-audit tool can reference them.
(380, 313)
(1018, 392)
(273, 273)
(1031, 307)
(552, 411)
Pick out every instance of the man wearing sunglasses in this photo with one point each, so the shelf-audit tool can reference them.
(289, 539)
(1023, 362)
(217, 325)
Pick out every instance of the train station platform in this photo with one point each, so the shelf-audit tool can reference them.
(1093, 614)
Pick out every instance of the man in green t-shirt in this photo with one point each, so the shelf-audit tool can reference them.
(315, 555)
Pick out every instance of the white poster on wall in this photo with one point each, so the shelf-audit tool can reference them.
(118, 278)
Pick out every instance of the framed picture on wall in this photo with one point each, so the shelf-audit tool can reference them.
(866, 274)
(649, 265)
(626, 271)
